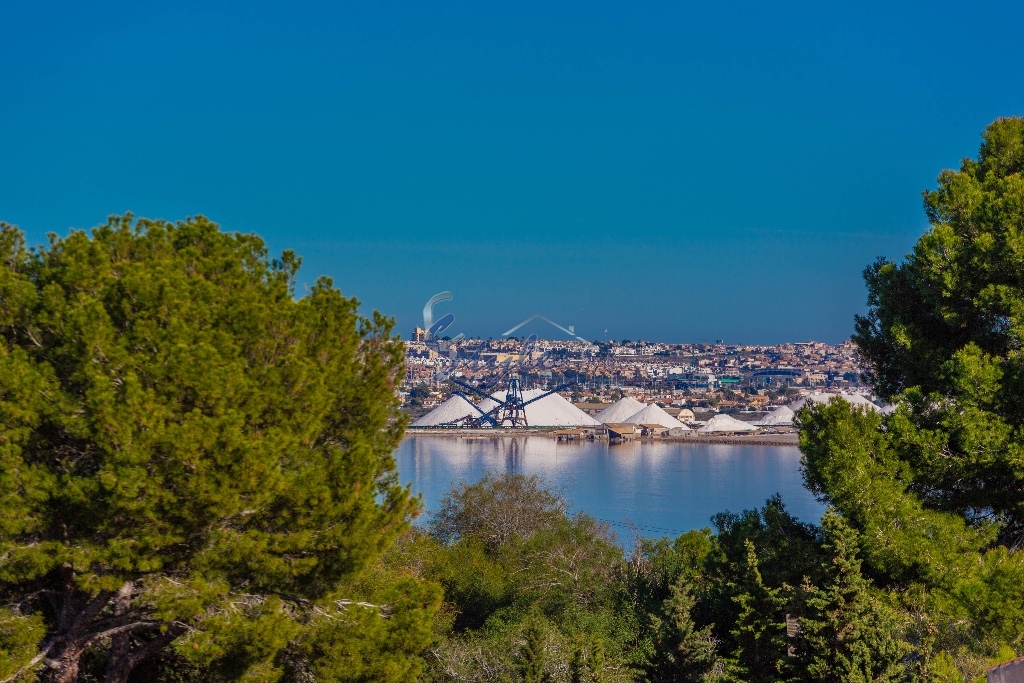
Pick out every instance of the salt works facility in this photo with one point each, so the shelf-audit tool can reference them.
(627, 418)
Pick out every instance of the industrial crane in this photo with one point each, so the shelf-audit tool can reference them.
(511, 412)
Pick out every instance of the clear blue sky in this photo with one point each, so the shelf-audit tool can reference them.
(662, 171)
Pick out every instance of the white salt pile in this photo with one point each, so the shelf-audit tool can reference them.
(620, 410)
(780, 417)
(551, 411)
(455, 408)
(727, 423)
(825, 397)
(654, 415)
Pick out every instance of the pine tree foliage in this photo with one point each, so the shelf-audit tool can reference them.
(945, 331)
(683, 652)
(587, 662)
(577, 664)
(188, 453)
(760, 628)
(849, 632)
(533, 656)
(596, 662)
(936, 489)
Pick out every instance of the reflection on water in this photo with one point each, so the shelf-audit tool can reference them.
(661, 489)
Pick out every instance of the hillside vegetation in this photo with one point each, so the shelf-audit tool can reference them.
(197, 485)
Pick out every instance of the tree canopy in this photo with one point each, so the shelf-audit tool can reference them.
(936, 489)
(197, 485)
(945, 331)
(189, 454)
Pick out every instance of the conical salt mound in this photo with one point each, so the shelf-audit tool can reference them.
(825, 397)
(726, 423)
(654, 415)
(551, 411)
(620, 410)
(455, 408)
(780, 417)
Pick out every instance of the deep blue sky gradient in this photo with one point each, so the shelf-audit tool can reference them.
(669, 172)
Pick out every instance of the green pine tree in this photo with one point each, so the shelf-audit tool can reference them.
(934, 489)
(192, 460)
(578, 664)
(850, 632)
(682, 652)
(587, 662)
(596, 661)
(533, 656)
(760, 629)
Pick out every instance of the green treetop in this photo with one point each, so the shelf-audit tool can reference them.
(935, 490)
(760, 628)
(184, 446)
(945, 329)
(849, 632)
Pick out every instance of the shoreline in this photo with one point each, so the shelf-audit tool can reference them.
(789, 439)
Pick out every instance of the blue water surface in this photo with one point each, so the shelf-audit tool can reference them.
(648, 488)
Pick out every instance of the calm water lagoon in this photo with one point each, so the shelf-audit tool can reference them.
(656, 489)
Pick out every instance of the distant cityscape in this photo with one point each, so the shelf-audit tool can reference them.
(715, 376)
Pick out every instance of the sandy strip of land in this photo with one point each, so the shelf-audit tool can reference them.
(741, 439)
(749, 439)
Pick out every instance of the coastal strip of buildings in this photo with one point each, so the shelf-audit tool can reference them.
(630, 389)
(726, 377)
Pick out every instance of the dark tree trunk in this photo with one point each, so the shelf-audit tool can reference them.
(133, 637)
(120, 643)
(130, 646)
(62, 667)
(76, 609)
(120, 667)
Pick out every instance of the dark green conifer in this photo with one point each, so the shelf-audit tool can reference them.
(850, 631)
(192, 458)
(760, 629)
(683, 652)
(587, 663)
(935, 489)
(533, 655)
